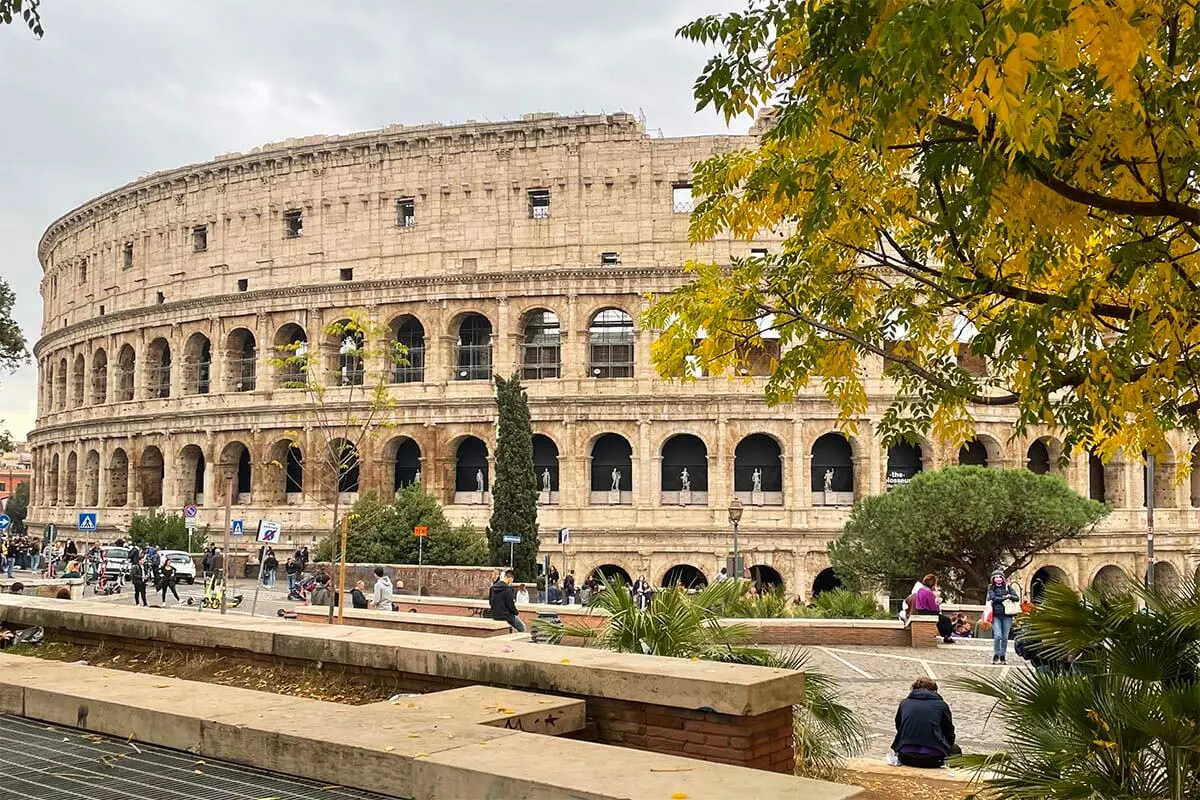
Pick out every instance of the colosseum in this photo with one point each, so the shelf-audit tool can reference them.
(484, 248)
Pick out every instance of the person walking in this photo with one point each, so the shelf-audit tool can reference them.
(502, 601)
(167, 580)
(137, 576)
(999, 595)
(569, 588)
(924, 728)
(206, 562)
(270, 566)
(381, 597)
(71, 549)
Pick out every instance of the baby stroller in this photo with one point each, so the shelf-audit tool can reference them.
(303, 588)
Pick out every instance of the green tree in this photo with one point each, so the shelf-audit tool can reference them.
(382, 533)
(1016, 179)
(959, 523)
(1122, 722)
(514, 489)
(166, 532)
(27, 10)
(12, 342)
(683, 625)
(18, 507)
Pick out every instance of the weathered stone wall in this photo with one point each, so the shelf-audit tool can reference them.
(439, 581)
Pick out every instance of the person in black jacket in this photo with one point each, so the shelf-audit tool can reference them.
(924, 727)
(503, 601)
(137, 576)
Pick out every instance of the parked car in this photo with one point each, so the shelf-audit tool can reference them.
(185, 567)
(116, 560)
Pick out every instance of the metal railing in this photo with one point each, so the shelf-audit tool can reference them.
(414, 370)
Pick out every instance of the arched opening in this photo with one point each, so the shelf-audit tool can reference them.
(832, 471)
(1096, 479)
(545, 467)
(1166, 577)
(126, 370)
(1037, 458)
(52, 480)
(344, 467)
(405, 457)
(612, 573)
(150, 473)
(118, 479)
(409, 334)
(192, 469)
(1110, 578)
(1195, 477)
(1042, 578)
(1164, 479)
(287, 475)
(610, 345)
(904, 461)
(197, 364)
(758, 470)
(99, 377)
(72, 493)
(684, 476)
(78, 381)
(91, 479)
(826, 581)
(612, 470)
(973, 454)
(541, 345)
(60, 385)
(158, 369)
(291, 357)
(241, 359)
(685, 574)
(473, 349)
(471, 471)
(235, 461)
(347, 353)
(765, 577)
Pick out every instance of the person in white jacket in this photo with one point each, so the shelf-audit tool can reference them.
(381, 598)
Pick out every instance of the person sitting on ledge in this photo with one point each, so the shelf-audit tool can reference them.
(925, 603)
(924, 728)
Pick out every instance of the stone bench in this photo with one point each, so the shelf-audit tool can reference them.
(462, 744)
(416, 623)
(875, 767)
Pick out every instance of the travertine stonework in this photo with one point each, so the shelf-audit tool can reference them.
(165, 300)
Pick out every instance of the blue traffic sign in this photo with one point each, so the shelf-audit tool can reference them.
(87, 521)
(512, 539)
(5, 522)
(238, 528)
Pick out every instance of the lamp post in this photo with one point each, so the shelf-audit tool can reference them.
(735, 517)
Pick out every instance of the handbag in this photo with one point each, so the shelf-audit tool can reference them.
(1012, 608)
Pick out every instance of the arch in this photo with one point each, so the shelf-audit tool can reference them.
(150, 477)
(192, 469)
(904, 461)
(1097, 480)
(409, 334)
(60, 385)
(287, 459)
(1110, 578)
(241, 361)
(1037, 458)
(610, 344)
(684, 456)
(758, 454)
(71, 496)
(347, 353)
(832, 467)
(612, 463)
(541, 345)
(290, 345)
(691, 577)
(404, 454)
(99, 377)
(611, 573)
(826, 581)
(473, 349)
(125, 373)
(545, 460)
(118, 478)
(158, 369)
(1044, 576)
(471, 465)
(1166, 576)
(973, 454)
(91, 479)
(344, 465)
(235, 460)
(765, 576)
(197, 364)
(78, 381)
(52, 480)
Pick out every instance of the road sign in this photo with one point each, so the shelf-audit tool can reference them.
(237, 528)
(421, 531)
(268, 531)
(189, 523)
(5, 522)
(512, 539)
(190, 511)
(87, 521)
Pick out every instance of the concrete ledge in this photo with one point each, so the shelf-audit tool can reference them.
(415, 623)
(923, 632)
(45, 587)
(870, 766)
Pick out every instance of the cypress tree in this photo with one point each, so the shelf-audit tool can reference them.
(514, 486)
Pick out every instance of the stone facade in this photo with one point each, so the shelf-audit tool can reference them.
(166, 301)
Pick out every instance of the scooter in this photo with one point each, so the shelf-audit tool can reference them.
(214, 595)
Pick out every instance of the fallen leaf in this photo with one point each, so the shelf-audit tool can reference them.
(388, 749)
(421, 755)
(198, 772)
(679, 796)
(565, 661)
(413, 736)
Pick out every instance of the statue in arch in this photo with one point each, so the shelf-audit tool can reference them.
(616, 480)
(756, 480)
(479, 480)
(685, 480)
(546, 480)
(829, 480)
(417, 478)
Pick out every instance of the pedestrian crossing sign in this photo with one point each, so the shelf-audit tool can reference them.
(87, 521)
(238, 528)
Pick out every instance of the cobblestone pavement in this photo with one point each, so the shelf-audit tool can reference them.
(875, 680)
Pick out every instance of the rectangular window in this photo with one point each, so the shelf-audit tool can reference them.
(3, 486)
(127, 256)
(346, 274)
(102, 310)
(610, 257)
(161, 298)
(406, 212)
(758, 252)
(83, 271)
(539, 204)
(199, 238)
(681, 198)
(293, 224)
(243, 284)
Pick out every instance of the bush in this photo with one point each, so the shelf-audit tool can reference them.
(166, 532)
(844, 604)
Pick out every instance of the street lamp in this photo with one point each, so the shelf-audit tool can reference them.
(735, 517)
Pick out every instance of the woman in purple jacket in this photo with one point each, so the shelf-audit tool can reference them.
(925, 602)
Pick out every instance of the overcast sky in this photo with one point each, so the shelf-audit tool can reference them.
(120, 88)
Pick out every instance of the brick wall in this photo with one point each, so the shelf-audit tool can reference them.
(805, 632)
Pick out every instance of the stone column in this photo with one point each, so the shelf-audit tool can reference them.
(264, 351)
(504, 339)
(574, 343)
(645, 472)
(796, 485)
(720, 469)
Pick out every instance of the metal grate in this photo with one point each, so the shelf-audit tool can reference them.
(46, 762)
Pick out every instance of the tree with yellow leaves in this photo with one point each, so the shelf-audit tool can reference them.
(1015, 179)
